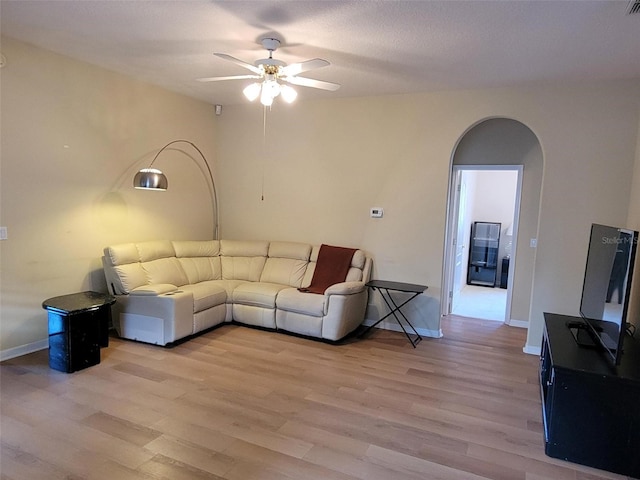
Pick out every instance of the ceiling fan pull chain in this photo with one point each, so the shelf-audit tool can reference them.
(264, 146)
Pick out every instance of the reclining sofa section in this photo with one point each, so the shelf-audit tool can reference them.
(166, 291)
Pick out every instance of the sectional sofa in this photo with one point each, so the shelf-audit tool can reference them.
(169, 290)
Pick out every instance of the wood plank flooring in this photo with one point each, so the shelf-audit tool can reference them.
(244, 404)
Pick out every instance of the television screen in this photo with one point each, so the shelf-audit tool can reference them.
(607, 285)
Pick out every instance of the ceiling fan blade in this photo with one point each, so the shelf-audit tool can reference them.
(296, 68)
(309, 82)
(246, 65)
(233, 77)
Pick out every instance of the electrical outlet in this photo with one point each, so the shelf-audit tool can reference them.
(533, 243)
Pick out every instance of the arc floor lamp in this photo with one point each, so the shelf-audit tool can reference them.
(153, 179)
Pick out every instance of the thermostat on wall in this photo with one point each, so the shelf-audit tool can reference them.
(377, 212)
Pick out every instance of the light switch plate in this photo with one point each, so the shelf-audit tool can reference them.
(3, 233)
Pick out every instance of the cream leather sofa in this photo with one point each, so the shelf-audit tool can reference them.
(166, 291)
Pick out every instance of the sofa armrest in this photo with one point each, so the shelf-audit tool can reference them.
(344, 309)
(150, 318)
(345, 288)
(154, 289)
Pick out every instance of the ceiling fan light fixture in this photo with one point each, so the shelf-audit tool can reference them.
(265, 97)
(270, 72)
(252, 91)
(288, 93)
(272, 87)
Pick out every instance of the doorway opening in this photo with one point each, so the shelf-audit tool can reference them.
(499, 143)
(484, 219)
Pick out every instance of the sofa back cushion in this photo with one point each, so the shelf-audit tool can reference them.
(243, 260)
(356, 271)
(165, 270)
(286, 263)
(129, 266)
(359, 270)
(154, 250)
(200, 260)
(122, 268)
(132, 265)
(160, 265)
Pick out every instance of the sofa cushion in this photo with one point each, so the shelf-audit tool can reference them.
(286, 263)
(358, 261)
(258, 294)
(357, 270)
(201, 269)
(243, 248)
(229, 287)
(196, 248)
(128, 277)
(154, 250)
(297, 251)
(200, 260)
(123, 269)
(122, 254)
(165, 270)
(242, 260)
(292, 300)
(206, 295)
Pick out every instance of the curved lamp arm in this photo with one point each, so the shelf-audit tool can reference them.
(153, 179)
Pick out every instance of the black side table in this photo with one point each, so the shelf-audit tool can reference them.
(78, 327)
(384, 287)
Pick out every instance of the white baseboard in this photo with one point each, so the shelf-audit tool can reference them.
(23, 349)
(518, 323)
(425, 332)
(531, 350)
(10, 353)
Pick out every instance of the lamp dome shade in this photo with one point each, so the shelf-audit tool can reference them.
(150, 179)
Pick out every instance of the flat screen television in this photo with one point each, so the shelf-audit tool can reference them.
(604, 304)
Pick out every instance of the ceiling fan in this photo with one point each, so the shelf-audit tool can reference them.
(269, 71)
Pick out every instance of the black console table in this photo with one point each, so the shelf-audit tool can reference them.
(384, 287)
(78, 327)
(590, 408)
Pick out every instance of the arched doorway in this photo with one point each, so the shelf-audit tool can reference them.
(499, 144)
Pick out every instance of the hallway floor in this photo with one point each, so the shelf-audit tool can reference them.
(481, 302)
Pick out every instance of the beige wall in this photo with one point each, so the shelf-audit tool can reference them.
(321, 167)
(325, 163)
(73, 136)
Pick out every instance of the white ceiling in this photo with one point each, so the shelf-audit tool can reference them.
(375, 47)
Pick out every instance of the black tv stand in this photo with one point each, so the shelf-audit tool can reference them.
(590, 406)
